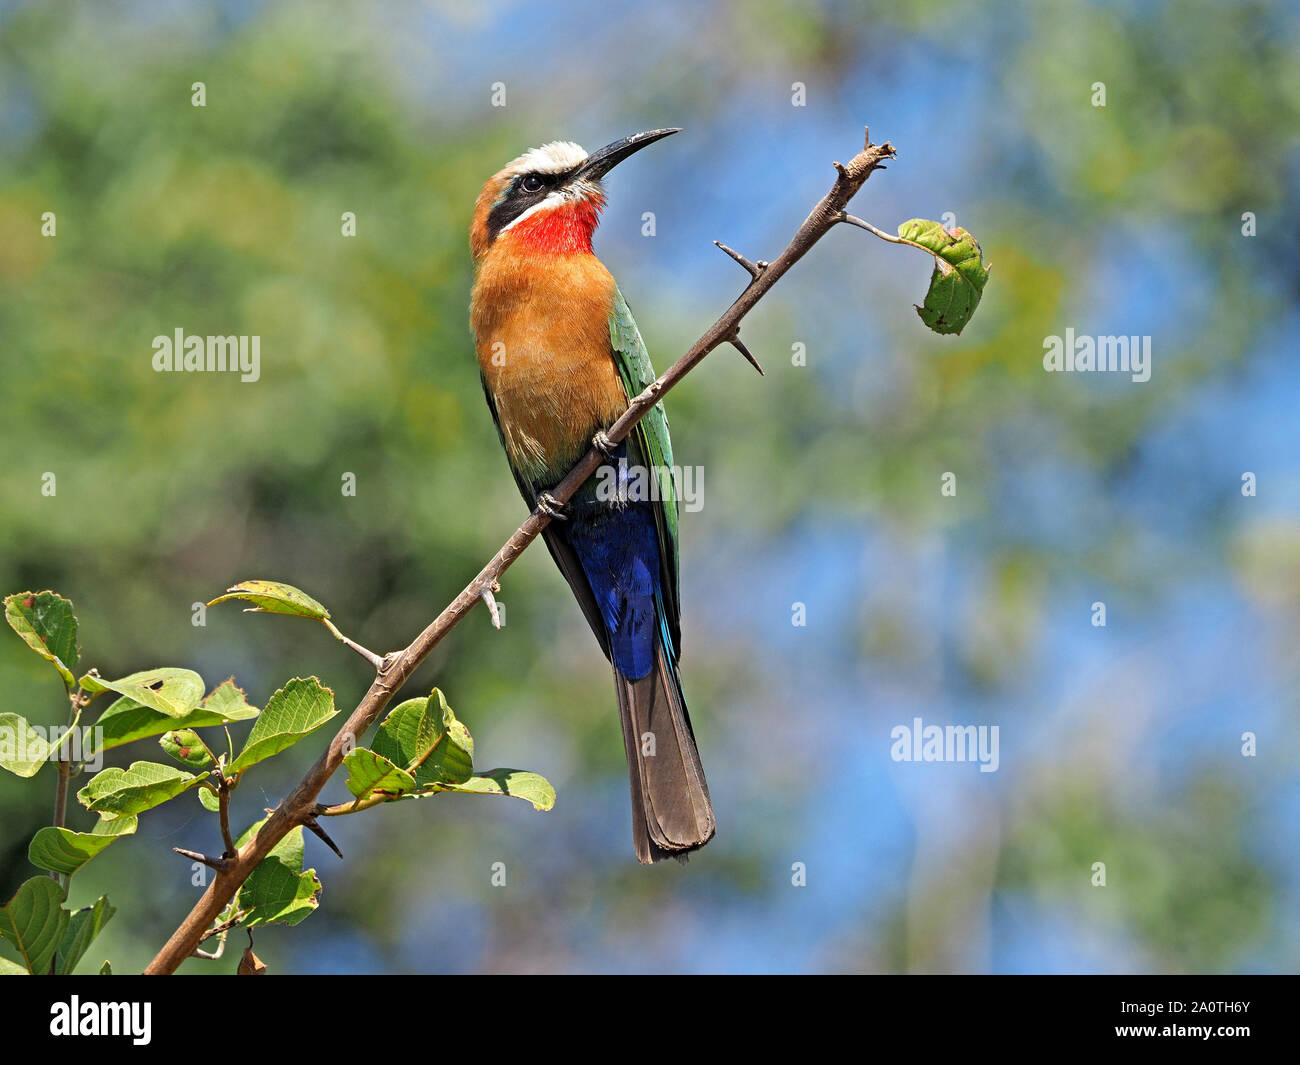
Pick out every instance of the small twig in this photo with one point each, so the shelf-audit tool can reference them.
(64, 768)
(223, 811)
(862, 223)
(224, 927)
(376, 798)
(214, 954)
(61, 802)
(375, 660)
(61, 794)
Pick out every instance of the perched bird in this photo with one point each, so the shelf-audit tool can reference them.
(559, 356)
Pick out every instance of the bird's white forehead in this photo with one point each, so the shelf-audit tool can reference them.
(553, 158)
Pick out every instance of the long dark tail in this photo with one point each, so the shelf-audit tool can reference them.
(671, 811)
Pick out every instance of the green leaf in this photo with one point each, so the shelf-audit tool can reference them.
(126, 720)
(425, 738)
(409, 733)
(370, 774)
(272, 597)
(209, 800)
(118, 792)
(48, 626)
(83, 926)
(34, 921)
(185, 746)
(227, 700)
(522, 785)
(11, 968)
(171, 691)
(23, 750)
(959, 273)
(294, 712)
(278, 891)
(63, 851)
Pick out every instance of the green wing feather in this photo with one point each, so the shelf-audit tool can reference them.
(568, 562)
(654, 448)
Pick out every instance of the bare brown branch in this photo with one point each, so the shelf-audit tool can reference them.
(301, 805)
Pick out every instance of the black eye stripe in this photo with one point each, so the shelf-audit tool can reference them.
(522, 193)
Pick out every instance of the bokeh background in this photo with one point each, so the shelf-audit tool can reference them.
(1120, 745)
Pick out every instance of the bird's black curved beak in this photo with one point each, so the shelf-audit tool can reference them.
(603, 160)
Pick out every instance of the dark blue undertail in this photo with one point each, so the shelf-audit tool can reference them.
(617, 545)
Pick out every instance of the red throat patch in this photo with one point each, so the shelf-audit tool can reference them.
(564, 230)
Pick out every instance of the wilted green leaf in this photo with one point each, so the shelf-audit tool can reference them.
(278, 891)
(294, 712)
(34, 921)
(185, 746)
(522, 785)
(425, 738)
(83, 926)
(64, 851)
(118, 792)
(23, 750)
(959, 273)
(171, 691)
(48, 626)
(370, 773)
(272, 597)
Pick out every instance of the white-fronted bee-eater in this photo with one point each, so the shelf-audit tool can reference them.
(560, 355)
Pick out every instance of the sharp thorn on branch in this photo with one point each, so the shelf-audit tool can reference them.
(219, 864)
(754, 269)
(311, 826)
(739, 345)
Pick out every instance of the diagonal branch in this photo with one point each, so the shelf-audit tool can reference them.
(395, 669)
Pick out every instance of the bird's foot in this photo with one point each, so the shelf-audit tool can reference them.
(602, 443)
(551, 507)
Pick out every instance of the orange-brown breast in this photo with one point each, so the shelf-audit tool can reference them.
(541, 325)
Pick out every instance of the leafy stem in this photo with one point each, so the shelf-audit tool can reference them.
(375, 660)
(223, 812)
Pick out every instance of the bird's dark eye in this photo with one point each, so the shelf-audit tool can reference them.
(532, 183)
